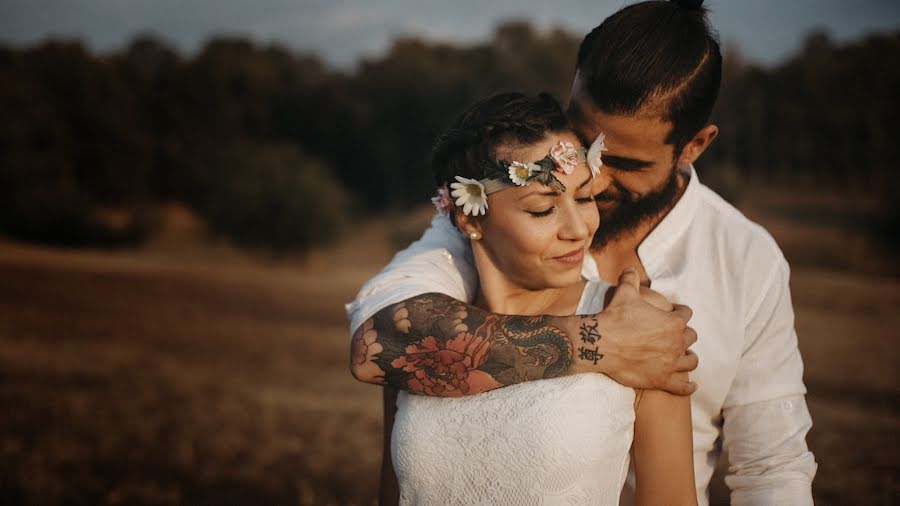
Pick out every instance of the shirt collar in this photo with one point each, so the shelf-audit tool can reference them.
(653, 250)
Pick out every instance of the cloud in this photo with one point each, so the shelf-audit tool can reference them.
(342, 30)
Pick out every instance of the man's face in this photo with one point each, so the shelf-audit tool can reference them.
(639, 168)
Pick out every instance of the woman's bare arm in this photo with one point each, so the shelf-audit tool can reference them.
(389, 490)
(664, 450)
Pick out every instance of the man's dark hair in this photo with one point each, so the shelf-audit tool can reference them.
(655, 56)
(469, 146)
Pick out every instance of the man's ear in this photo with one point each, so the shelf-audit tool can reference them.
(698, 144)
(468, 225)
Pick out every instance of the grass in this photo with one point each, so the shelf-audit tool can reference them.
(194, 375)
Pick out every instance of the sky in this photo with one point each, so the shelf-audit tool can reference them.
(343, 31)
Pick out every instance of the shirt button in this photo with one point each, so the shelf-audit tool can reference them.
(787, 405)
(448, 256)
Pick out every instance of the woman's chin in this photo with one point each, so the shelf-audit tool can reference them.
(562, 279)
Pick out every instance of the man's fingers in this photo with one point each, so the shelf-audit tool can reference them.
(681, 387)
(656, 299)
(690, 337)
(683, 312)
(687, 362)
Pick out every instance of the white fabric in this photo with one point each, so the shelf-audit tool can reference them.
(559, 441)
(730, 271)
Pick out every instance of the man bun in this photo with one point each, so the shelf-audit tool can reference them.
(692, 5)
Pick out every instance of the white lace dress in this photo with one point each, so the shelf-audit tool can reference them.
(558, 441)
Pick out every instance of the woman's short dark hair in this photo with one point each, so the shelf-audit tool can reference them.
(656, 54)
(469, 146)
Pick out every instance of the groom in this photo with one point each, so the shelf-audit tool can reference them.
(646, 78)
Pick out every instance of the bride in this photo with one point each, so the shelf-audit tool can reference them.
(515, 180)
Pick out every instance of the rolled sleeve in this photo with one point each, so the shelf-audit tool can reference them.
(439, 262)
(769, 462)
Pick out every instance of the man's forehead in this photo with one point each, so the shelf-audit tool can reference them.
(638, 131)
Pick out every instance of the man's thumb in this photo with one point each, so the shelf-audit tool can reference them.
(630, 277)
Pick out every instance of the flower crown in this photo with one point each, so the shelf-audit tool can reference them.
(472, 194)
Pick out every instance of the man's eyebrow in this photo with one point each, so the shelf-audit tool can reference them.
(625, 163)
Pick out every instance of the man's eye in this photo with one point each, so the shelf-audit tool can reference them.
(538, 214)
(585, 200)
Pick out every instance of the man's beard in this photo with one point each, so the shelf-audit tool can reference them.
(633, 210)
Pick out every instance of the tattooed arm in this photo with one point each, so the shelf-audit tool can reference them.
(433, 344)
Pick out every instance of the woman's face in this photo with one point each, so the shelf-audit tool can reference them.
(535, 235)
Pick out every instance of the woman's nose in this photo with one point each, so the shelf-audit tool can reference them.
(573, 227)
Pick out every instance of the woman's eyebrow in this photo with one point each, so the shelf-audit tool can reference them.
(553, 193)
(546, 193)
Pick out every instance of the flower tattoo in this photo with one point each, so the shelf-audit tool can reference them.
(447, 368)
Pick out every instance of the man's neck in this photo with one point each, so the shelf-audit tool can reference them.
(622, 251)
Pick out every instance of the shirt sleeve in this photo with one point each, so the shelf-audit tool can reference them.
(768, 460)
(439, 262)
(765, 415)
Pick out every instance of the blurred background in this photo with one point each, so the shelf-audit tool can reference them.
(191, 190)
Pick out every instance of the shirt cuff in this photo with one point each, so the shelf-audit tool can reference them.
(769, 461)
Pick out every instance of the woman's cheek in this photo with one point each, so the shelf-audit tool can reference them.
(591, 217)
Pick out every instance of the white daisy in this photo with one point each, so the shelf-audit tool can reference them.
(520, 172)
(594, 156)
(470, 195)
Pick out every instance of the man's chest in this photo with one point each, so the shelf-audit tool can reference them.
(718, 318)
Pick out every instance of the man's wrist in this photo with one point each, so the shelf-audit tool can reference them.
(585, 340)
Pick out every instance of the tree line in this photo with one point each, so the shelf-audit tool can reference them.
(279, 150)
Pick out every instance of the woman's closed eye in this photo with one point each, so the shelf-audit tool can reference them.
(541, 214)
(588, 199)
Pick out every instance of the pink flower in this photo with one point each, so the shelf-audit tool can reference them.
(565, 156)
(442, 201)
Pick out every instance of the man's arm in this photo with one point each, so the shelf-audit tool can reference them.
(765, 415)
(433, 344)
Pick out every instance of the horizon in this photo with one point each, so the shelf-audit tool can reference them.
(344, 33)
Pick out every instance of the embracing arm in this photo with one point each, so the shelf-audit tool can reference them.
(664, 450)
(765, 414)
(433, 344)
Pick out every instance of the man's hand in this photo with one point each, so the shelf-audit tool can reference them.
(645, 339)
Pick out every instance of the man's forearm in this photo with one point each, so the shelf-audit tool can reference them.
(436, 345)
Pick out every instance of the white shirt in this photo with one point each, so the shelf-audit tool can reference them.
(730, 271)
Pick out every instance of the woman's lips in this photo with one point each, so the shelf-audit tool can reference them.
(573, 257)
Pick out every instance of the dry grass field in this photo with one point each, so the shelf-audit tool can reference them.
(172, 375)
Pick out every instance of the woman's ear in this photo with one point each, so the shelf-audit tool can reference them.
(469, 226)
(698, 144)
